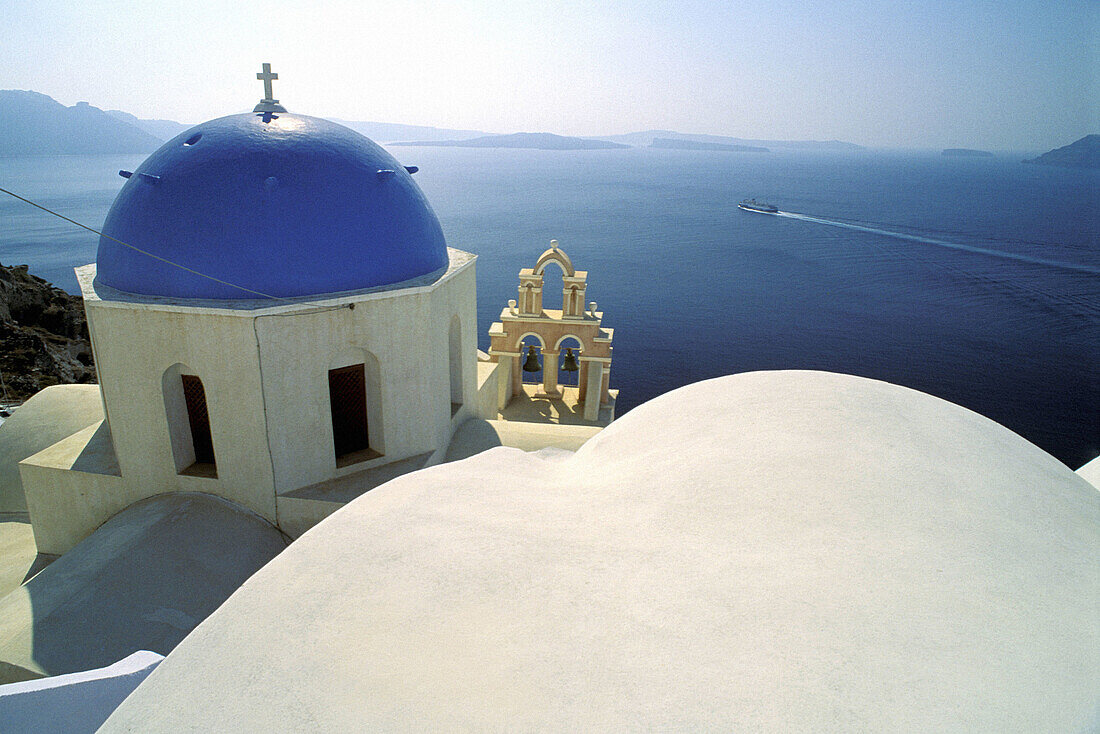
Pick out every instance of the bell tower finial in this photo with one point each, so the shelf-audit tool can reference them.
(268, 103)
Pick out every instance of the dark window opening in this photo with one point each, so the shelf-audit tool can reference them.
(454, 340)
(347, 391)
(199, 420)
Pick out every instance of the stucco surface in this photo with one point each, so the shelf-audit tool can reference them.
(76, 703)
(51, 415)
(265, 378)
(142, 581)
(17, 553)
(477, 435)
(1091, 472)
(784, 551)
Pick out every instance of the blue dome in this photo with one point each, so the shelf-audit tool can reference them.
(283, 205)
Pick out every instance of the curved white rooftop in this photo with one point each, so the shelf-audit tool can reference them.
(784, 551)
(142, 581)
(52, 414)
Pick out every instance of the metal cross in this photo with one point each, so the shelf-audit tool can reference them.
(267, 77)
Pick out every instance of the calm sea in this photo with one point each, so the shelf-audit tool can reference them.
(977, 280)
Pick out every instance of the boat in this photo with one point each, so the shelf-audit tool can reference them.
(752, 205)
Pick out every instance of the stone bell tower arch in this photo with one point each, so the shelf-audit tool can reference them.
(526, 316)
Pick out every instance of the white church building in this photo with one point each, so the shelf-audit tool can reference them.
(277, 320)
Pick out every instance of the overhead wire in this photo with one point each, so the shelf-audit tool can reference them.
(143, 252)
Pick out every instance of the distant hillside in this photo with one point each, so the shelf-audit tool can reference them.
(647, 137)
(696, 145)
(966, 153)
(34, 124)
(1084, 153)
(162, 129)
(536, 141)
(384, 132)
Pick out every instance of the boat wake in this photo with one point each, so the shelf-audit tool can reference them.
(944, 243)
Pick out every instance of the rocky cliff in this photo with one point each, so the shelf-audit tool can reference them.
(43, 335)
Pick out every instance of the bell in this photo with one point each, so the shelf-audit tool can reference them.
(531, 364)
(569, 364)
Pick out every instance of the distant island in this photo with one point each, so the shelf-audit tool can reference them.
(385, 132)
(535, 141)
(673, 144)
(1083, 153)
(967, 153)
(647, 137)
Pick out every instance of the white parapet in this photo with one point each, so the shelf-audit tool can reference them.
(1091, 472)
(76, 702)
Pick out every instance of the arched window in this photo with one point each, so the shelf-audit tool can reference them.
(558, 258)
(188, 422)
(454, 348)
(355, 403)
(553, 285)
(569, 352)
(529, 358)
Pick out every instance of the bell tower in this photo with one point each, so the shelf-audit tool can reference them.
(576, 322)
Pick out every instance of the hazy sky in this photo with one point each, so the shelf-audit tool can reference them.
(931, 73)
